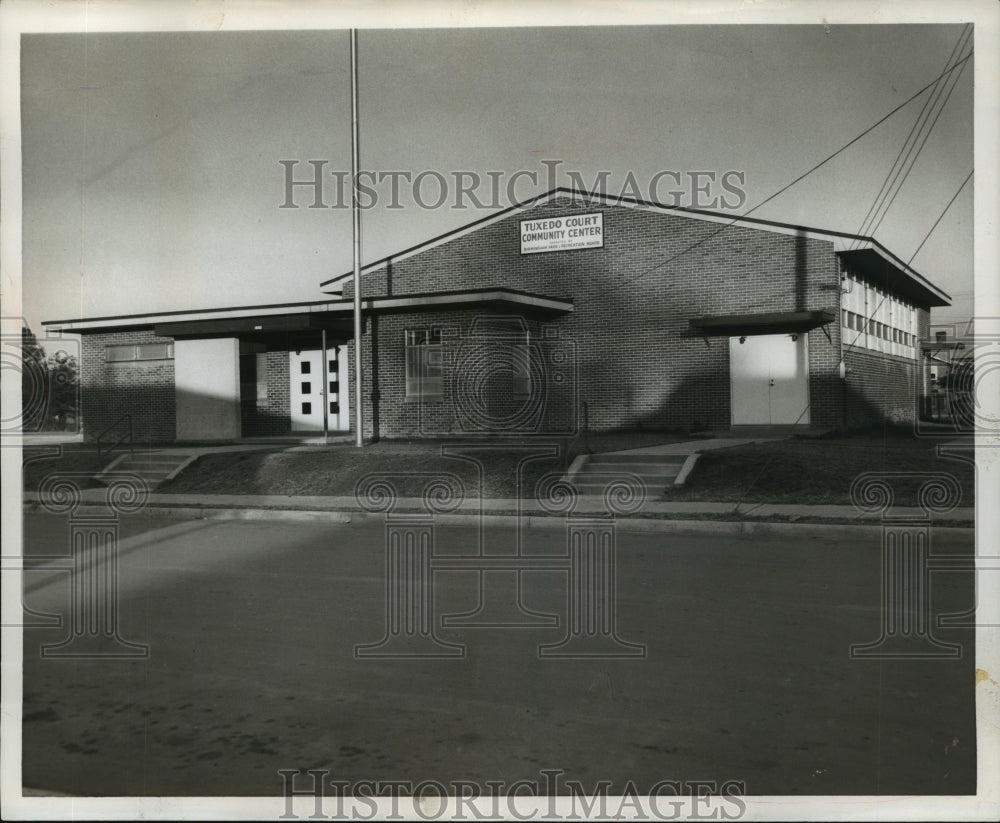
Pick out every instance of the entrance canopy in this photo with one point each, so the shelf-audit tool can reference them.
(787, 322)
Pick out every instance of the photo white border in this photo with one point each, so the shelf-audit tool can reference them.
(24, 16)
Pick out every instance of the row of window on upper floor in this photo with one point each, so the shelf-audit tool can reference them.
(874, 319)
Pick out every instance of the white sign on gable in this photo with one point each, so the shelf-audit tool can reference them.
(576, 231)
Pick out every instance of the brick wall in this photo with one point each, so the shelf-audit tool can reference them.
(882, 387)
(475, 390)
(632, 357)
(143, 389)
(637, 362)
(273, 415)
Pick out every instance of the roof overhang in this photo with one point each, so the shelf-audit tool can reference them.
(946, 345)
(501, 299)
(787, 322)
(258, 325)
(327, 314)
(884, 269)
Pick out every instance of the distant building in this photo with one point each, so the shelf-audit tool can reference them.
(574, 310)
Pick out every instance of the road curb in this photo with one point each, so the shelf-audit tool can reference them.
(735, 528)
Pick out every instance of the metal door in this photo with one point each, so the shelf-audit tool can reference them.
(769, 376)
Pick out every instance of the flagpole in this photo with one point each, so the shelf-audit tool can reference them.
(356, 230)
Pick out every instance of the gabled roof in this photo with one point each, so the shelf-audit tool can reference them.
(845, 243)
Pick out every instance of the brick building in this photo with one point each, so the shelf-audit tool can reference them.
(570, 311)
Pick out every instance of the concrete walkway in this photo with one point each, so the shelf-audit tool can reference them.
(668, 464)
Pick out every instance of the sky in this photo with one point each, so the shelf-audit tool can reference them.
(152, 178)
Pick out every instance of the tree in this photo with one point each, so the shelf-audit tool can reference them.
(48, 386)
(34, 382)
(63, 372)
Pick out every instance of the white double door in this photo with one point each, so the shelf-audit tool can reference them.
(306, 375)
(769, 376)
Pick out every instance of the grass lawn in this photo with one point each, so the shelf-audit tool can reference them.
(335, 470)
(816, 470)
(74, 459)
(819, 470)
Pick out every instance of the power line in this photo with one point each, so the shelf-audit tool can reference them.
(915, 130)
(940, 217)
(785, 188)
(953, 81)
(954, 197)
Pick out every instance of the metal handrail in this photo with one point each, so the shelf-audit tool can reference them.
(123, 438)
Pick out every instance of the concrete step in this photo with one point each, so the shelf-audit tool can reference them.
(655, 471)
(632, 468)
(144, 466)
(153, 467)
(648, 480)
(603, 478)
(155, 458)
(639, 469)
(148, 467)
(593, 487)
(626, 457)
(158, 474)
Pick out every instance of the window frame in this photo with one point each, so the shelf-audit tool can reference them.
(135, 352)
(420, 346)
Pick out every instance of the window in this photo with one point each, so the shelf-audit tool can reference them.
(132, 352)
(883, 321)
(424, 379)
(119, 354)
(153, 351)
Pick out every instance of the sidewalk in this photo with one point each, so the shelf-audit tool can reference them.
(343, 507)
(688, 447)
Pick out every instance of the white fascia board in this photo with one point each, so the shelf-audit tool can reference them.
(338, 306)
(125, 321)
(848, 244)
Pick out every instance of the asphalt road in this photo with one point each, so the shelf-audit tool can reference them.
(251, 629)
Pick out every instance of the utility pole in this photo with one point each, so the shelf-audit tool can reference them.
(356, 215)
